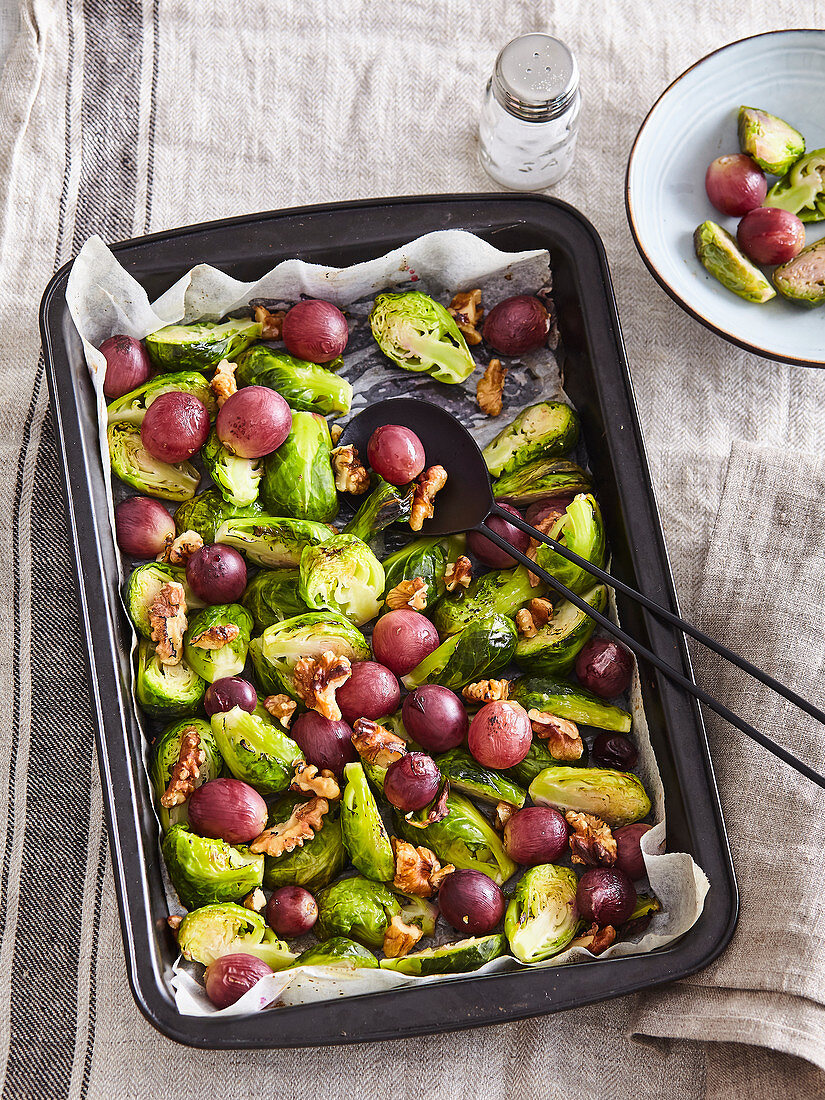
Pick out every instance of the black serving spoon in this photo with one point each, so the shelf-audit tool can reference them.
(466, 502)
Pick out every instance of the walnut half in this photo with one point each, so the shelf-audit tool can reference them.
(271, 322)
(179, 549)
(317, 679)
(458, 574)
(223, 381)
(563, 737)
(216, 637)
(350, 473)
(466, 309)
(400, 937)
(376, 744)
(489, 388)
(186, 769)
(596, 939)
(167, 620)
(591, 843)
(487, 691)
(281, 707)
(427, 484)
(302, 824)
(312, 781)
(417, 870)
(408, 594)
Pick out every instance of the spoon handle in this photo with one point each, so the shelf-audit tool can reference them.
(642, 651)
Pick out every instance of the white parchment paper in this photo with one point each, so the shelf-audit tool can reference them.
(104, 300)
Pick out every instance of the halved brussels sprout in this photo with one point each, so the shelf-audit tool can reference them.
(131, 407)
(721, 256)
(802, 279)
(133, 464)
(458, 957)
(256, 749)
(553, 649)
(365, 837)
(581, 530)
(339, 951)
(358, 908)
(501, 592)
(298, 479)
(546, 477)
(207, 511)
(143, 588)
(539, 758)
(419, 334)
(769, 140)
(205, 647)
(212, 931)
(200, 346)
(384, 505)
(238, 479)
(276, 652)
(425, 558)
(166, 691)
(467, 776)
(569, 701)
(547, 430)
(272, 596)
(204, 871)
(541, 920)
(315, 864)
(163, 757)
(802, 189)
(271, 541)
(342, 574)
(481, 649)
(618, 798)
(306, 387)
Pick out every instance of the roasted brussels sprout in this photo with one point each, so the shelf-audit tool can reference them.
(418, 911)
(365, 836)
(207, 511)
(501, 592)
(464, 838)
(547, 430)
(272, 596)
(802, 189)
(425, 558)
(205, 871)
(616, 797)
(216, 643)
(207, 933)
(721, 257)
(342, 574)
(450, 958)
(255, 748)
(306, 387)
(275, 653)
(802, 279)
(546, 477)
(769, 140)
(339, 951)
(298, 480)
(271, 541)
(316, 863)
(553, 649)
(143, 588)
(537, 759)
(131, 408)
(467, 776)
(541, 920)
(481, 649)
(164, 755)
(358, 908)
(166, 691)
(420, 335)
(200, 346)
(385, 504)
(569, 701)
(133, 464)
(581, 530)
(238, 479)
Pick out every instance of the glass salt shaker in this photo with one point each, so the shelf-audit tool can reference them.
(530, 118)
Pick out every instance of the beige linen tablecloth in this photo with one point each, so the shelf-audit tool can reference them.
(125, 116)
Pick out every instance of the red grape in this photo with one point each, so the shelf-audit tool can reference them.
(291, 911)
(604, 667)
(500, 735)
(324, 742)
(629, 856)
(735, 184)
(227, 809)
(395, 453)
(605, 895)
(471, 902)
(229, 692)
(175, 426)
(771, 236)
(217, 574)
(435, 717)
(142, 526)
(516, 325)
(315, 330)
(127, 365)
(535, 834)
(487, 551)
(402, 639)
(412, 782)
(372, 691)
(230, 976)
(253, 422)
(614, 750)
(549, 506)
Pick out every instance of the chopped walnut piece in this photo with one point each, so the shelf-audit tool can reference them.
(335, 433)
(458, 574)
(223, 381)
(545, 525)
(591, 843)
(174, 920)
(541, 610)
(377, 745)
(489, 388)
(256, 900)
(427, 484)
(271, 322)
(596, 939)
(350, 473)
(167, 619)
(487, 691)
(400, 937)
(217, 636)
(312, 781)
(417, 870)
(525, 624)
(466, 309)
(563, 737)
(281, 707)
(504, 811)
(302, 824)
(408, 594)
(317, 679)
(178, 550)
(185, 770)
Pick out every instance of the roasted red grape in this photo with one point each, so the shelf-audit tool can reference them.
(471, 902)
(550, 506)
(325, 743)
(604, 667)
(535, 834)
(229, 692)
(127, 365)
(605, 895)
(227, 809)
(142, 525)
(395, 453)
(291, 911)
(315, 330)
(372, 691)
(175, 426)
(217, 574)
(516, 325)
(735, 184)
(230, 976)
(500, 735)
(487, 551)
(402, 639)
(435, 718)
(253, 422)
(629, 856)
(771, 236)
(614, 750)
(412, 782)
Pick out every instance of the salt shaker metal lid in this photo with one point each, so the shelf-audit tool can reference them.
(536, 78)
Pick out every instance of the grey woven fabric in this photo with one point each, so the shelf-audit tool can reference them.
(122, 116)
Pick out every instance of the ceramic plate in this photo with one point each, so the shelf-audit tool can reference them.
(692, 123)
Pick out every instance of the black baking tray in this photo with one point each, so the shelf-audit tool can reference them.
(596, 379)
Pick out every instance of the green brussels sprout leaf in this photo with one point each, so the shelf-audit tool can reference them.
(358, 908)
(164, 755)
(365, 837)
(769, 140)
(166, 691)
